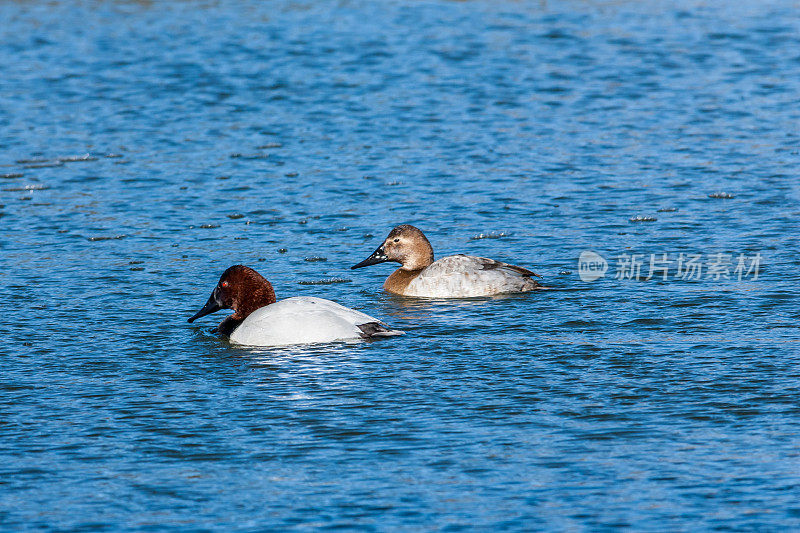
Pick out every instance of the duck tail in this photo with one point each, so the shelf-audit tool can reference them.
(376, 329)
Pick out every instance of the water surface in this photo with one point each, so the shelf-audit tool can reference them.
(145, 147)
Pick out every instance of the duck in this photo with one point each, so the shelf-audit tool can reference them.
(455, 276)
(258, 319)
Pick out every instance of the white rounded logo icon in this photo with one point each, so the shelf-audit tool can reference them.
(591, 266)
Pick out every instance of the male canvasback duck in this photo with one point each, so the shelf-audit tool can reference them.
(258, 320)
(455, 276)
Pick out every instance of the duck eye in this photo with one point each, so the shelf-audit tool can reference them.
(397, 240)
(224, 283)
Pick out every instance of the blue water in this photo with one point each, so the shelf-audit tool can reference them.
(145, 147)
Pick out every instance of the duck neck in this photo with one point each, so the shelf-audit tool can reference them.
(256, 297)
(418, 259)
(400, 279)
(227, 326)
(253, 297)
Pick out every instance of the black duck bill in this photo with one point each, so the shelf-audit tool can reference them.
(378, 256)
(213, 305)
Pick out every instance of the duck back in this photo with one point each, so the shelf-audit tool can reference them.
(464, 276)
(305, 320)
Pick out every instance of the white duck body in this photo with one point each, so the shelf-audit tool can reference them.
(306, 320)
(464, 276)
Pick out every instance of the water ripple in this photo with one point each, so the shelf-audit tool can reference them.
(144, 151)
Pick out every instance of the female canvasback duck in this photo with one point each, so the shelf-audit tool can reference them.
(455, 276)
(258, 320)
